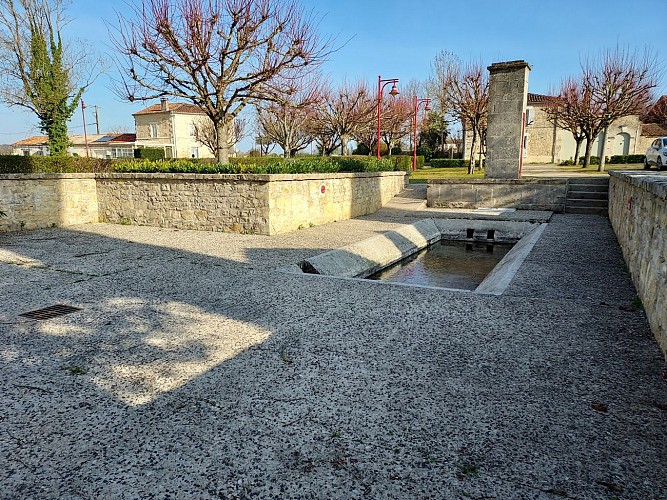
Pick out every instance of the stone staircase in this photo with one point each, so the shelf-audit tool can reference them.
(587, 195)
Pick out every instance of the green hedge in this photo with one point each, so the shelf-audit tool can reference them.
(314, 164)
(149, 153)
(622, 159)
(15, 164)
(449, 163)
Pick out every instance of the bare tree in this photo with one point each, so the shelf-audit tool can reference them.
(286, 122)
(569, 110)
(206, 134)
(436, 84)
(396, 120)
(464, 91)
(618, 83)
(340, 113)
(38, 71)
(221, 55)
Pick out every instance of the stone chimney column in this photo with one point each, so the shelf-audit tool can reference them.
(508, 95)
(164, 104)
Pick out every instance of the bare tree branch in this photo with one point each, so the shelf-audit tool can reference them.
(221, 55)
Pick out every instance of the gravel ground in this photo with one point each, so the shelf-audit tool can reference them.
(195, 370)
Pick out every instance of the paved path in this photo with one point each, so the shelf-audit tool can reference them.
(194, 370)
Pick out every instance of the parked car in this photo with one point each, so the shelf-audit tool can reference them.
(656, 154)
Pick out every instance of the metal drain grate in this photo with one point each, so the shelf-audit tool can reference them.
(50, 312)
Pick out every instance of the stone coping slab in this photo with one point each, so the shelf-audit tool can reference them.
(173, 176)
(652, 182)
(35, 176)
(249, 177)
(550, 181)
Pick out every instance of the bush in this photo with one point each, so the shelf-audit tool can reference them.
(361, 150)
(622, 159)
(566, 163)
(424, 151)
(15, 164)
(149, 153)
(595, 160)
(449, 163)
(315, 164)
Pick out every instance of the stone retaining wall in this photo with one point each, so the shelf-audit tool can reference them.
(522, 194)
(258, 204)
(638, 213)
(33, 201)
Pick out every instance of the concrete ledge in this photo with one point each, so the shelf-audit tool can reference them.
(499, 279)
(369, 256)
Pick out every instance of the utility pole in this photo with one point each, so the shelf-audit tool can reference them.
(97, 119)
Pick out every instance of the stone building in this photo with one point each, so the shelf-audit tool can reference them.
(171, 126)
(545, 142)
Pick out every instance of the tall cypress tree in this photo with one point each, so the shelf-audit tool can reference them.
(48, 86)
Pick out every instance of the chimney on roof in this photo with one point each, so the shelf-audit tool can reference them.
(164, 104)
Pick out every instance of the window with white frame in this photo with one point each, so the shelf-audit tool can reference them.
(192, 129)
(122, 152)
(153, 129)
(194, 152)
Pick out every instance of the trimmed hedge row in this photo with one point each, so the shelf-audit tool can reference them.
(449, 163)
(149, 153)
(14, 164)
(277, 166)
(622, 159)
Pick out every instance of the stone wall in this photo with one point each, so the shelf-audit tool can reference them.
(33, 201)
(638, 213)
(258, 204)
(312, 199)
(522, 194)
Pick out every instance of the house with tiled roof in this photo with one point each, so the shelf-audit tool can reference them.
(546, 142)
(171, 126)
(93, 145)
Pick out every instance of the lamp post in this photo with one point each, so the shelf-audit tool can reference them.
(393, 92)
(418, 102)
(85, 133)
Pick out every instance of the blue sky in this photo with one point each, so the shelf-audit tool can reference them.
(398, 39)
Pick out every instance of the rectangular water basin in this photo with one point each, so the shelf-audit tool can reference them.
(447, 264)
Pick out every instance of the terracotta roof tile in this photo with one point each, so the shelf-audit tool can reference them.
(176, 107)
(541, 99)
(125, 138)
(654, 130)
(35, 140)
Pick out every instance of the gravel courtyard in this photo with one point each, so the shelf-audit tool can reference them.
(194, 369)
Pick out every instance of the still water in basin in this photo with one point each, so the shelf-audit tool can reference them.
(447, 264)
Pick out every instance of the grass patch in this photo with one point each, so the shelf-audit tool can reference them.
(422, 175)
(593, 169)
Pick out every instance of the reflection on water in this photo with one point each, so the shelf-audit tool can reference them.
(448, 264)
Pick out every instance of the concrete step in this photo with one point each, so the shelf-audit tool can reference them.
(574, 181)
(588, 195)
(588, 187)
(586, 211)
(574, 202)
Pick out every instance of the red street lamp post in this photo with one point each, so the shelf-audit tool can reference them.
(393, 92)
(418, 102)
